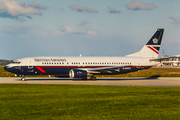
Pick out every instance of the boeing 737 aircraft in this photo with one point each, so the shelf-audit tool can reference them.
(83, 67)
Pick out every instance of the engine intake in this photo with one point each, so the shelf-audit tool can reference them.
(78, 74)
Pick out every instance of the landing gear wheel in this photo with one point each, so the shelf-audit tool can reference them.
(23, 78)
(93, 78)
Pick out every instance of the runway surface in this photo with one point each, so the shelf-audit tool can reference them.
(167, 81)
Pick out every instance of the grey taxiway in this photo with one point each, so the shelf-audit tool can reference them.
(161, 81)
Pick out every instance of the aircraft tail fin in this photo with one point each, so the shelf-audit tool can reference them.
(151, 49)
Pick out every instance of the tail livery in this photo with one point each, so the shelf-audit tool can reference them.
(151, 49)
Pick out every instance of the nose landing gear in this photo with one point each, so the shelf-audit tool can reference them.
(23, 78)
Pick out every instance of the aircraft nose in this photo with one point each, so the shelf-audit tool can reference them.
(7, 68)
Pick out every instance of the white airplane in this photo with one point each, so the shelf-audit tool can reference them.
(83, 67)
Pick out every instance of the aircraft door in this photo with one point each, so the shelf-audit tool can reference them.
(30, 65)
(138, 64)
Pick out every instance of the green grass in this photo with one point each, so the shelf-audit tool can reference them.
(4, 73)
(29, 102)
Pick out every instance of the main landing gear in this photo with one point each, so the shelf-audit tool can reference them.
(93, 78)
(23, 78)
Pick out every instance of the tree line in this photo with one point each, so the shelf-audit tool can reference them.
(5, 62)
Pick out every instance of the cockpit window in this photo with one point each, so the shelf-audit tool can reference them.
(16, 62)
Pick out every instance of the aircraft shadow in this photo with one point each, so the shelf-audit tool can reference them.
(155, 77)
(98, 79)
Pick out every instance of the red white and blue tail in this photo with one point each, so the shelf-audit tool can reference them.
(151, 49)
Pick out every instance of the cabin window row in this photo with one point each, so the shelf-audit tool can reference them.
(91, 63)
(54, 63)
(107, 63)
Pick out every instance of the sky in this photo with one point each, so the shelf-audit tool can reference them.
(88, 27)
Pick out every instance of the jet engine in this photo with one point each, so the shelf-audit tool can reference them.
(78, 74)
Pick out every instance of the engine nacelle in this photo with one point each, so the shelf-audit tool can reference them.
(78, 74)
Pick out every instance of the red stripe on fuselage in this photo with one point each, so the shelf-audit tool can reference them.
(40, 69)
(153, 49)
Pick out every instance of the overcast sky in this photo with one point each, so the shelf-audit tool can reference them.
(87, 27)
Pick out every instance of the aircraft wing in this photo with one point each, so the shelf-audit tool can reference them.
(105, 69)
